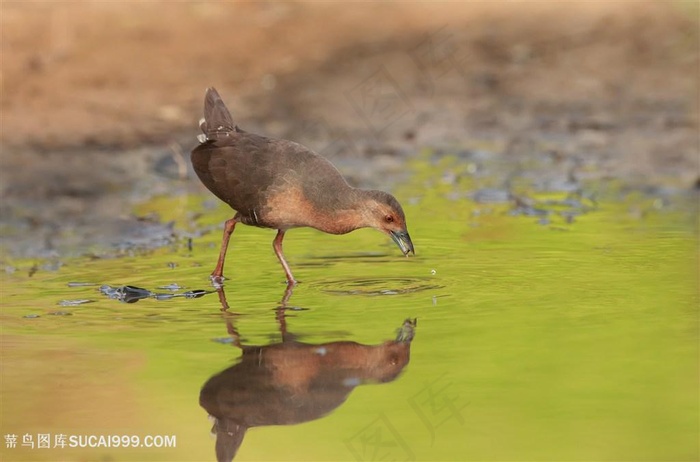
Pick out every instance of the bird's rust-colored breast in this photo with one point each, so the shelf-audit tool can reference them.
(291, 208)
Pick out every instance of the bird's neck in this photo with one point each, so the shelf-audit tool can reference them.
(348, 215)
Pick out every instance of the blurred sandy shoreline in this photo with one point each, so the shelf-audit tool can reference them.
(106, 74)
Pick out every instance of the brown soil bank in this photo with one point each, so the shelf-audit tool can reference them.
(110, 73)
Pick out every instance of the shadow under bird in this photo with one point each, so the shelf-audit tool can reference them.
(281, 185)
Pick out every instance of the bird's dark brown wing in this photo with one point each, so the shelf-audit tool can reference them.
(236, 172)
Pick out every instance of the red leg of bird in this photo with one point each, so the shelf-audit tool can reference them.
(228, 230)
(277, 245)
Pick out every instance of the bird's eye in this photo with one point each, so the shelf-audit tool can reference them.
(389, 219)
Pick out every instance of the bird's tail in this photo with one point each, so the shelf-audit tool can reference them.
(217, 122)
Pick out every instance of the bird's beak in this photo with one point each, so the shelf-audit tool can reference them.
(403, 240)
(407, 331)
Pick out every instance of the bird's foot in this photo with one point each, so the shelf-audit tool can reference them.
(217, 280)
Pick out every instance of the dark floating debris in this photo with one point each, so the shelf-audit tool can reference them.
(194, 293)
(61, 313)
(132, 294)
(75, 302)
(126, 294)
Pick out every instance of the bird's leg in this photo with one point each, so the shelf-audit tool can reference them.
(277, 245)
(222, 299)
(217, 275)
(287, 295)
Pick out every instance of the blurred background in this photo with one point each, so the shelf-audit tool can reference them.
(100, 100)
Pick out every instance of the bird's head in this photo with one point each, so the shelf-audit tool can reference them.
(384, 213)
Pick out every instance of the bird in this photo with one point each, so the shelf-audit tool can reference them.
(281, 185)
(290, 382)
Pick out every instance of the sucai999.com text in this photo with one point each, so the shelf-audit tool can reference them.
(60, 441)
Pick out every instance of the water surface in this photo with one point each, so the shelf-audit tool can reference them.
(564, 327)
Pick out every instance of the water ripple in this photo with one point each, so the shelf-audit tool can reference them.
(377, 286)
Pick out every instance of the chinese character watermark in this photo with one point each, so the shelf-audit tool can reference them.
(439, 55)
(11, 441)
(438, 403)
(28, 440)
(59, 440)
(379, 101)
(43, 441)
(379, 441)
(340, 142)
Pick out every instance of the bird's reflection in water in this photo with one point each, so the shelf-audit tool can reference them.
(292, 382)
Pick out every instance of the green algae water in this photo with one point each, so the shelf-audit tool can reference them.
(564, 328)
